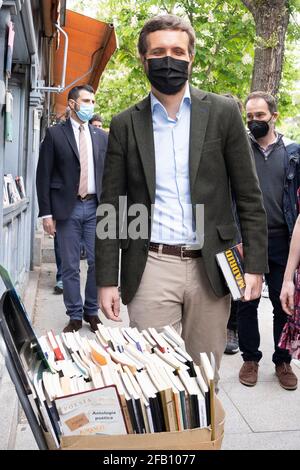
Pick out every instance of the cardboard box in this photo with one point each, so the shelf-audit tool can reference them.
(15, 328)
(192, 439)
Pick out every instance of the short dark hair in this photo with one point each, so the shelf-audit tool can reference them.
(74, 92)
(269, 99)
(165, 22)
(96, 117)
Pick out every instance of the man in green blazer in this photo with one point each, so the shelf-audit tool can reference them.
(175, 157)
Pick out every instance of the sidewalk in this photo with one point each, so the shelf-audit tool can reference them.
(261, 417)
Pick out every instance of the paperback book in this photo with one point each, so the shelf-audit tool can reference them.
(231, 265)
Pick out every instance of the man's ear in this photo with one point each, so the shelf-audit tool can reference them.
(72, 104)
(144, 63)
(192, 57)
(276, 116)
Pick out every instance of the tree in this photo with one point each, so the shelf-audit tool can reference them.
(271, 21)
(226, 32)
(224, 49)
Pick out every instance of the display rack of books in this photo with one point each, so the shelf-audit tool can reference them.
(122, 382)
(122, 389)
(13, 189)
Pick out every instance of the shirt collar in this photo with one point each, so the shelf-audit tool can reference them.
(156, 103)
(270, 147)
(277, 137)
(76, 125)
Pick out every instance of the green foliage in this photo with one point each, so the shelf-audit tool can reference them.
(223, 62)
(291, 129)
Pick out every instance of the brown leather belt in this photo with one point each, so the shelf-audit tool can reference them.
(87, 197)
(176, 250)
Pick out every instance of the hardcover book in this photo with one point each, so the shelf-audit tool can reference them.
(231, 265)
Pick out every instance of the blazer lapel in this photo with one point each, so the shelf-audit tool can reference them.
(143, 129)
(68, 130)
(199, 120)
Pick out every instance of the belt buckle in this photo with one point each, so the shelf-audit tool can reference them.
(182, 250)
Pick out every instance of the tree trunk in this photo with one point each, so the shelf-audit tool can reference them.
(271, 21)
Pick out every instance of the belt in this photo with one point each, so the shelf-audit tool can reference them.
(87, 197)
(182, 251)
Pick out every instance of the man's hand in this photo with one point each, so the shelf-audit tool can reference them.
(49, 225)
(253, 286)
(109, 302)
(287, 297)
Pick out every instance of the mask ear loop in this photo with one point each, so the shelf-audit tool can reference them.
(76, 104)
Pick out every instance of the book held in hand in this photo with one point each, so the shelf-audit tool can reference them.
(231, 265)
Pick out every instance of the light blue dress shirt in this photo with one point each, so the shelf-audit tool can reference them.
(173, 221)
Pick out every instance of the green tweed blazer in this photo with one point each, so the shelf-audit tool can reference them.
(220, 159)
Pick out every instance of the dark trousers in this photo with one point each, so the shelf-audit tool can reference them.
(81, 225)
(232, 322)
(248, 331)
(57, 259)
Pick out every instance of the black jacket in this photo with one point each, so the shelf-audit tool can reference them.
(58, 170)
(291, 183)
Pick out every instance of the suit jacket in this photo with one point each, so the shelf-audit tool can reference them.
(220, 156)
(58, 170)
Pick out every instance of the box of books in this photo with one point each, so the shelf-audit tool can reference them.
(188, 439)
(119, 388)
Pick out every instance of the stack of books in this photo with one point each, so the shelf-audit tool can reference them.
(121, 382)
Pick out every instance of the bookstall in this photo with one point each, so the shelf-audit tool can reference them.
(122, 390)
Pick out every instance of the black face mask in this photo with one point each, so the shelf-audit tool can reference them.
(258, 128)
(168, 75)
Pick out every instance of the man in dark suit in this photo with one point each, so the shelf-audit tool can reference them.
(69, 180)
(174, 151)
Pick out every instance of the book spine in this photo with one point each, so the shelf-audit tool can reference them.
(236, 270)
(58, 354)
(240, 262)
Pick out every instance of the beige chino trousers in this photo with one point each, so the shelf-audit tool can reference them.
(177, 292)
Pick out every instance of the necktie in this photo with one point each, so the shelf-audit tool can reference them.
(83, 154)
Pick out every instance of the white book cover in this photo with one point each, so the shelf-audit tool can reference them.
(207, 367)
(172, 333)
(13, 193)
(92, 412)
(20, 186)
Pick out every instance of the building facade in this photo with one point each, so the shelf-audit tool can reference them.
(25, 59)
(34, 40)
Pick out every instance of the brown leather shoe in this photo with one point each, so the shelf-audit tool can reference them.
(248, 373)
(93, 320)
(286, 376)
(73, 325)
